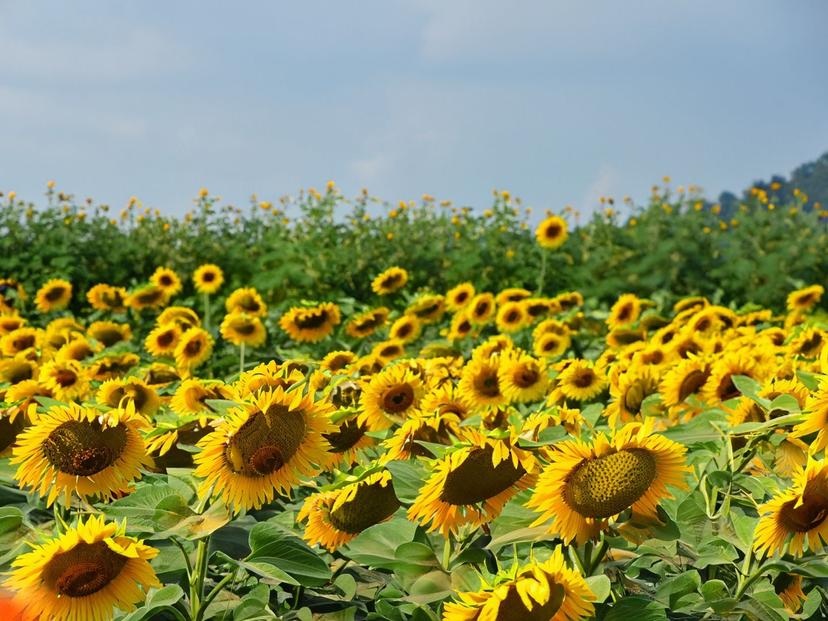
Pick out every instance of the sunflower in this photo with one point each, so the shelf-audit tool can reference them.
(208, 278)
(803, 300)
(83, 574)
(10, 323)
(622, 337)
(61, 331)
(445, 399)
(185, 317)
(585, 485)
(19, 340)
(797, 516)
(107, 298)
(113, 366)
(191, 396)
(405, 329)
(552, 233)
(817, 421)
(511, 317)
(12, 421)
(459, 296)
(624, 312)
(24, 394)
(629, 392)
(512, 294)
(80, 449)
(338, 360)
(428, 308)
(267, 376)
(167, 279)
(194, 347)
(540, 307)
(569, 300)
(365, 324)
(551, 345)
(79, 349)
(481, 308)
(118, 393)
(54, 295)
(310, 324)
(68, 380)
(248, 300)
(347, 440)
(522, 378)
(391, 395)
(163, 339)
(110, 333)
(548, 591)
(391, 280)
(809, 343)
(160, 374)
(335, 517)
(263, 447)
(461, 326)
(147, 296)
(479, 383)
(386, 351)
(720, 387)
(435, 428)
(242, 329)
(789, 589)
(11, 292)
(581, 380)
(683, 380)
(17, 369)
(471, 484)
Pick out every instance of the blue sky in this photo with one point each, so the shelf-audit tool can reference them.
(559, 102)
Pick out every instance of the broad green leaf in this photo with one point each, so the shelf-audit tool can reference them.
(637, 609)
(270, 544)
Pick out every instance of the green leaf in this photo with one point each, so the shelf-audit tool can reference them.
(347, 584)
(637, 608)
(11, 518)
(408, 477)
(600, 586)
(270, 544)
(750, 388)
(376, 546)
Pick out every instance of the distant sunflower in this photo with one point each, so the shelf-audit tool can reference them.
(622, 337)
(185, 317)
(335, 517)
(79, 349)
(10, 323)
(390, 396)
(107, 298)
(110, 333)
(16, 370)
(263, 447)
(511, 317)
(428, 308)
(116, 365)
(160, 374)
(405, 329)
(471, 484)
(54, 295)
(690, 303)
(435, 428)
(459, 296)
(167, 279)
(551, 345)
(84, 573)
(82, 450)
(683, 380)
(480, 383)
(20, 340)
(481, 308)
(310, 324)
(208, 278)
(11, 294)
(347, 439)
(119, 393)
(337, 360)
(163, 339)
(629, 392)
(445, 399)
(68, 380)
(191, 396)
(365, 324)
(194, 348)
(512, 294)
(808, 343)
(552, 233)
(386, 351)
(537, 308)
(240, 328)
(248, 300)
(624, 312)
(720, 386)
(585, 485)
(461, 326)
(797, 516)
(581, 381)
(147, 296)
(816, 408)
(803, 300)
(548, 591)
(522, 378)
(569, 300)
(391, 280)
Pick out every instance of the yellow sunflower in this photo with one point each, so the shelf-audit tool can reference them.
(585, 485)
(19, 340)
(789, 589)
(817, 422)
(428, 308)
(118, 393)
(390, 396)
(10, 323)
(111, 366)
(479, 383)
(581, 380)
(458, 297)
(166, 279)
(365, 324)
(803, 300)
(109, 333)
(263, 447)
(335, 517)
(551, 345)
(720, 387)
(405, 329)
(624, 312)
(512, 294)
(11, 292)
(17, 369)
(471, 484)
(81, 449)
(445, 399)
(83, 574)
(108, 298)
(208, 278)
(240, 328)
(386, 351)
(79, 349)
(310, 324)
(68, 380)
(435, 428)
(185, 317)
(522, 378)
(163, 339)
(552, 233)
(347, 440)
(391, 280)
(511, 317)
(193, 348)
(481, 308)
(147, 296)
(808, 343)
(337, 360)
(54, 295)
(548, 591)
(248, 300)
(160, 374)
(797, 516)
(683, 380)
(192, 394)
(461, 326)
(628, 393)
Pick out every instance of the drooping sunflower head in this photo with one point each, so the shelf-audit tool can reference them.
(534, 592)
(147, 296)
(803, 300)
(585, 485)
(208, 278)
(522, 378)
(391, 395)
(118, 393)
(789, 589)
(263, 447)
(628, 391)
(193, 348)
(405, 329)
(166, 279)
(391, 280)
(683, 380)
(428, 308)
(107, 298)
(310, 324)
(431, 428)
(247, 300)
(481, 308)
(511, 317)
(109, 333)
(68, 380)
(185, 317)
(365, 324)
(240, 328)
(581, 381)
(335, 517)
(78, 449)
(459, 296)
(552, 233)
(85, 573)
(54, 295)
(625, 311)
(348, 438)
(808, 343)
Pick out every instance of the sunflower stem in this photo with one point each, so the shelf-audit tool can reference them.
(542, 273)
(197, 580)
(213, 593)
(207, 312)
(186, 556)
(575, 559)
(241, 359)
(175, 612)
(599, 556)
(447, 552)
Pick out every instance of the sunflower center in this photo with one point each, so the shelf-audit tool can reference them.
(85, 569)
(109, 336)
(476, 479)
(150, 297)
(83, 448)
(266, 441)
(54, 294)
(624, 313)
(461, 298)
(691, 383)
(584, 378)
(513, 609)
(553, 231)
(166, 281)
(605, 486)
(193, 347)
(370, 505)
(9, 431)
(404, 331)
(398, 399)
(24, 342)
(312, 319)
(390, 281)
(727, 389)
(245, 329)
(165, 339)
(526, 377)
(811, 513)
(348, 434)
(512, 316)
(487, 385)
(208, 276)
(18, 373)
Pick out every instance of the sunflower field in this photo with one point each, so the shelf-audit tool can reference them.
(421, 415)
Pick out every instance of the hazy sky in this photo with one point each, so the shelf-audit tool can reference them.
(560, 102)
